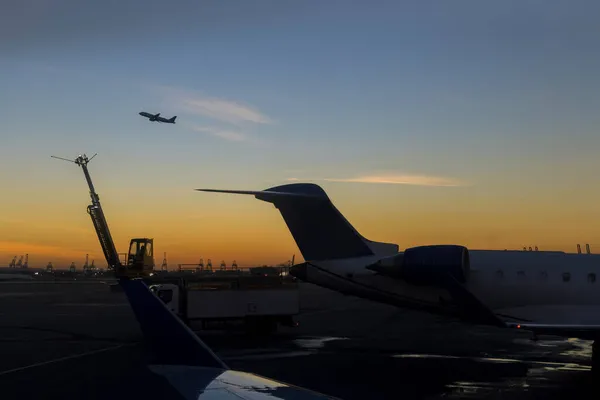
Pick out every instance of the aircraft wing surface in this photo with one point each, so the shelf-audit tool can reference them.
(195, 383)
(188, 364)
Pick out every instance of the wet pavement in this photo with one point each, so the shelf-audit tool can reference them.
(79, 340)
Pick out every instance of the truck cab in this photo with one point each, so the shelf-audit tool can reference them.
(140, 258)
(169, 294)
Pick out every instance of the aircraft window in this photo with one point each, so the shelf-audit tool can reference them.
(566, 277)
(591, 278)
(500, 273)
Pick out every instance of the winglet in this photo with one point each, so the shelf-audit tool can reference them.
(170, 340)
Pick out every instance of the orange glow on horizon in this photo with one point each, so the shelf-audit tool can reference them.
(190, 225)
(261, 237)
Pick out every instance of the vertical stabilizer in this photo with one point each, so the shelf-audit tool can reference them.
(319, 229)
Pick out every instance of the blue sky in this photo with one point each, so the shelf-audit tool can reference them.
(491, 96)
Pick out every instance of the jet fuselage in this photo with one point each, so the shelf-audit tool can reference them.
(535, 286)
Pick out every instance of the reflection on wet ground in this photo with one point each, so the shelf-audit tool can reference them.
(527, 371)
(529, 374)
(343, 347)
(316, 342)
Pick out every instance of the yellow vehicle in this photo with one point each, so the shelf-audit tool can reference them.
(140, 259)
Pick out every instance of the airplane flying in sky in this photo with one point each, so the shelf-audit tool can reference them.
(188, 364)
(545, 292)
(158, 118)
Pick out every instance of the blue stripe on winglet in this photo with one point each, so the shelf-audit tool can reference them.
(170, 340)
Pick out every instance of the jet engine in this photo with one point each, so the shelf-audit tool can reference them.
(427, 265)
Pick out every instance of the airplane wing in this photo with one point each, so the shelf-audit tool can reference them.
(470, 309)
(189, 365)
(470, 306)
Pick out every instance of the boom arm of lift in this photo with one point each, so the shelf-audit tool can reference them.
(140, 259)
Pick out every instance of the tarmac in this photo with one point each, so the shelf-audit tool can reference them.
(79, 340)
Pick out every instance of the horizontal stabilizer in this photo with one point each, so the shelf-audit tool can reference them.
(266, 193)
(170, 340)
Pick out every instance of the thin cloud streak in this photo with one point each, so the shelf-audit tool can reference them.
(224, 110)
(230, 111)
(401, 179)
(230, 135)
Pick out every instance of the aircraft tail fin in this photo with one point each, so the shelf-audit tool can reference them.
(319, 229)
(172, 120)
(171, 342)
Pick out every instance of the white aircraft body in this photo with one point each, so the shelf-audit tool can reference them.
(546, 292)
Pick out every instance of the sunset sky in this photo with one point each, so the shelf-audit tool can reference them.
(426, 122)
